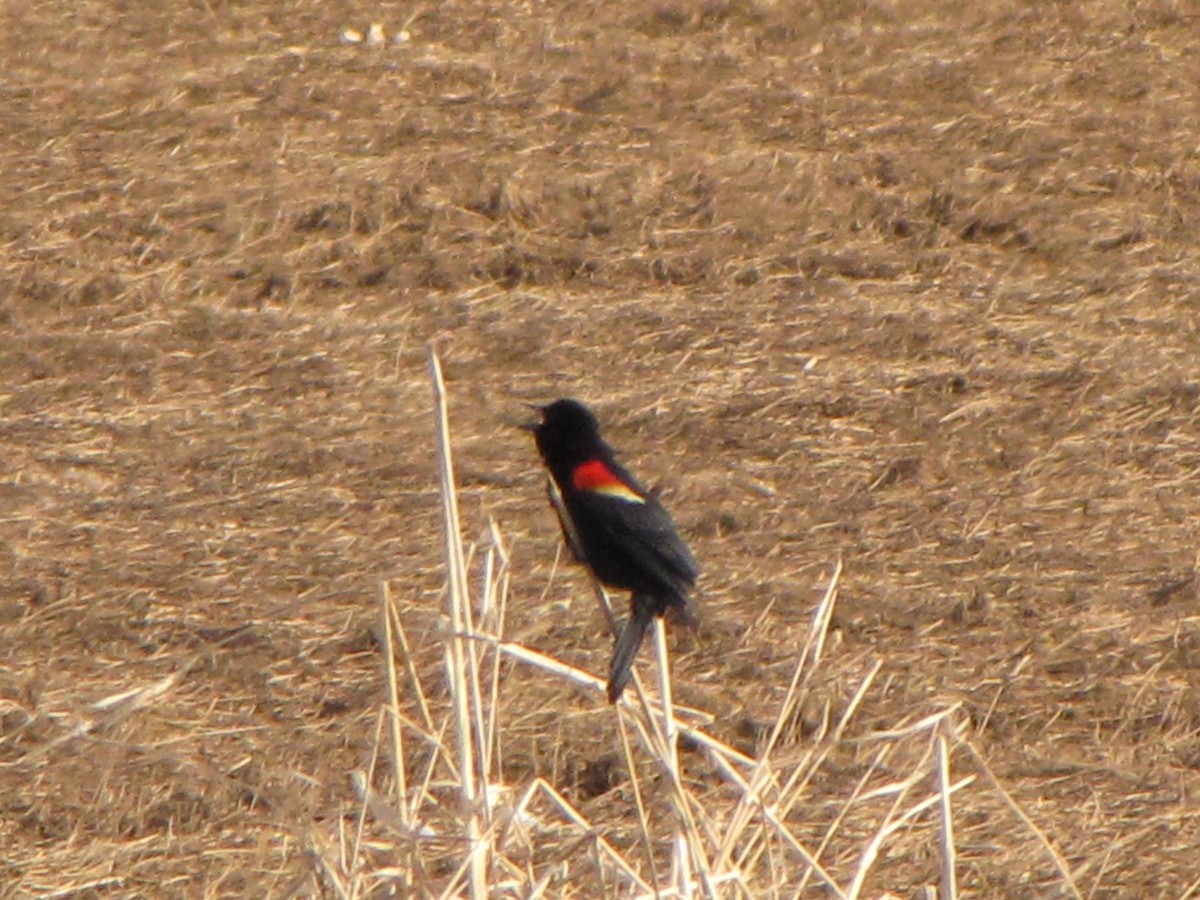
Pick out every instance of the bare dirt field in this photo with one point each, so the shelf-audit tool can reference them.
(914, 286)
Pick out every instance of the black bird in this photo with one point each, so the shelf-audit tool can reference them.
(621, 531)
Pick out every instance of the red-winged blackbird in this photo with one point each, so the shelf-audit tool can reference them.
(623, 533)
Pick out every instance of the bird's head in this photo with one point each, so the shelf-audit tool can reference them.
(567, 430)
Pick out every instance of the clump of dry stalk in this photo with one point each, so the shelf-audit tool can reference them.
(457, 829)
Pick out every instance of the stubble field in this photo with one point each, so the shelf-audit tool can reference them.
(910, 286)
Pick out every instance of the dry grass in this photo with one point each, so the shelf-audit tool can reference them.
(909, 286)
(735, 833)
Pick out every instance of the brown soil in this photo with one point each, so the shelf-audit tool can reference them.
(913, 285)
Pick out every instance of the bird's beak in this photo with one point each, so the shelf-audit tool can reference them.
(532, 427)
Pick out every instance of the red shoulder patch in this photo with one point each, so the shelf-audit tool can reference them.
(593, 474)
(597, 477)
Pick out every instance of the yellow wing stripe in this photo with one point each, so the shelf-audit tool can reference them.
(619, 491)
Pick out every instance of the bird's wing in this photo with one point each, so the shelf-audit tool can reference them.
(641, 529)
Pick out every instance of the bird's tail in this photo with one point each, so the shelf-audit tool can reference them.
(630, 640)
